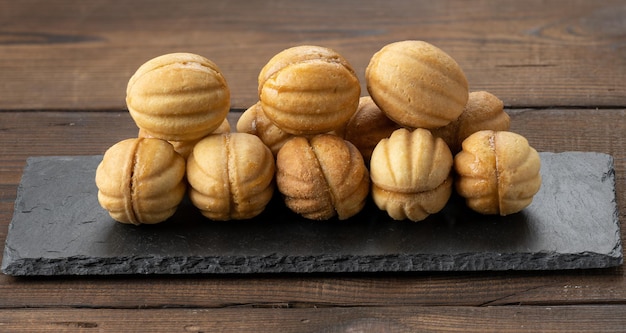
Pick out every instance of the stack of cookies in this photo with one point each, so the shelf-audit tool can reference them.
(417, 136)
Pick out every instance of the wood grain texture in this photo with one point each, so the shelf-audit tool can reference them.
(559, 67)
(80, 54)
(322, 320)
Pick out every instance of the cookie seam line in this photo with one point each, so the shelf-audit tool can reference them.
(492, 144)
(133, 214)
(331, 192)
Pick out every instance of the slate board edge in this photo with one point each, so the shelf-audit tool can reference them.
(310, 264)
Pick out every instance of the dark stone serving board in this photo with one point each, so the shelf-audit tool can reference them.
(58, 228)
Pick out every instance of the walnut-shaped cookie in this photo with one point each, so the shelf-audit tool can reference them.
(411, 174)
(483, 111)
(498, 172)
(254, 121)
(417, 84)
(184, 147)
(141, 181)
(367, 127)
(178, 96)
(308, 90)
(322, 177)
(231, 176)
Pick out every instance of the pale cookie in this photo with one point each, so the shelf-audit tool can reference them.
(178, 96)
(416, 84)
(231, 176)
(184, 147)
(140, 181)
(411, 174)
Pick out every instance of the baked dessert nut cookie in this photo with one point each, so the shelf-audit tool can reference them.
(322, 177)
(307, 90)
(254, 121)
(483, 111)
(178, 96)
(498, 172)
(184, 147)
(141, 181)
(417, 84)
(231, 176)
(411, 174)
(367, 127)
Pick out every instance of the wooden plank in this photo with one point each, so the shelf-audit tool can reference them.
(509, 319)
(584, 129)
(80, 55)
(348, 290)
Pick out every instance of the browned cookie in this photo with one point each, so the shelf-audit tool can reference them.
(367, 127)
(483, 111)
(498, 172)
(254, 121)
(322, 177)
(307, 90)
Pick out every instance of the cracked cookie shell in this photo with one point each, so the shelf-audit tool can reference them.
(141, 181)
(308, 90)
(498, 172)
(231, 176)
(411, 174)
(178, 96)
(322, 177)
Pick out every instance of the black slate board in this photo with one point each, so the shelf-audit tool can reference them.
(58, 228)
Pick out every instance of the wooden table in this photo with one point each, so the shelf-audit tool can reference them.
(559, 66)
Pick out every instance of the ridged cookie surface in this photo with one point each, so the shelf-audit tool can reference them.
(307, 90)
(417, 84)
(411, 174)
(231, 176)
(498, 172)
(322, 177)
(141, 181)
(178, 96)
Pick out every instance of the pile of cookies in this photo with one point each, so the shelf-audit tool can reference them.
(418, 135)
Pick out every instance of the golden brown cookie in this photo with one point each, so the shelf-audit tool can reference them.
(417, 84)
(184, 147)
(367, 127)
(231, 176)
(178, 96)
(307, 90)
(411, 174)
(322, 177)
(498, 172)
(140, 181)
(254, 121)
(483, 111)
